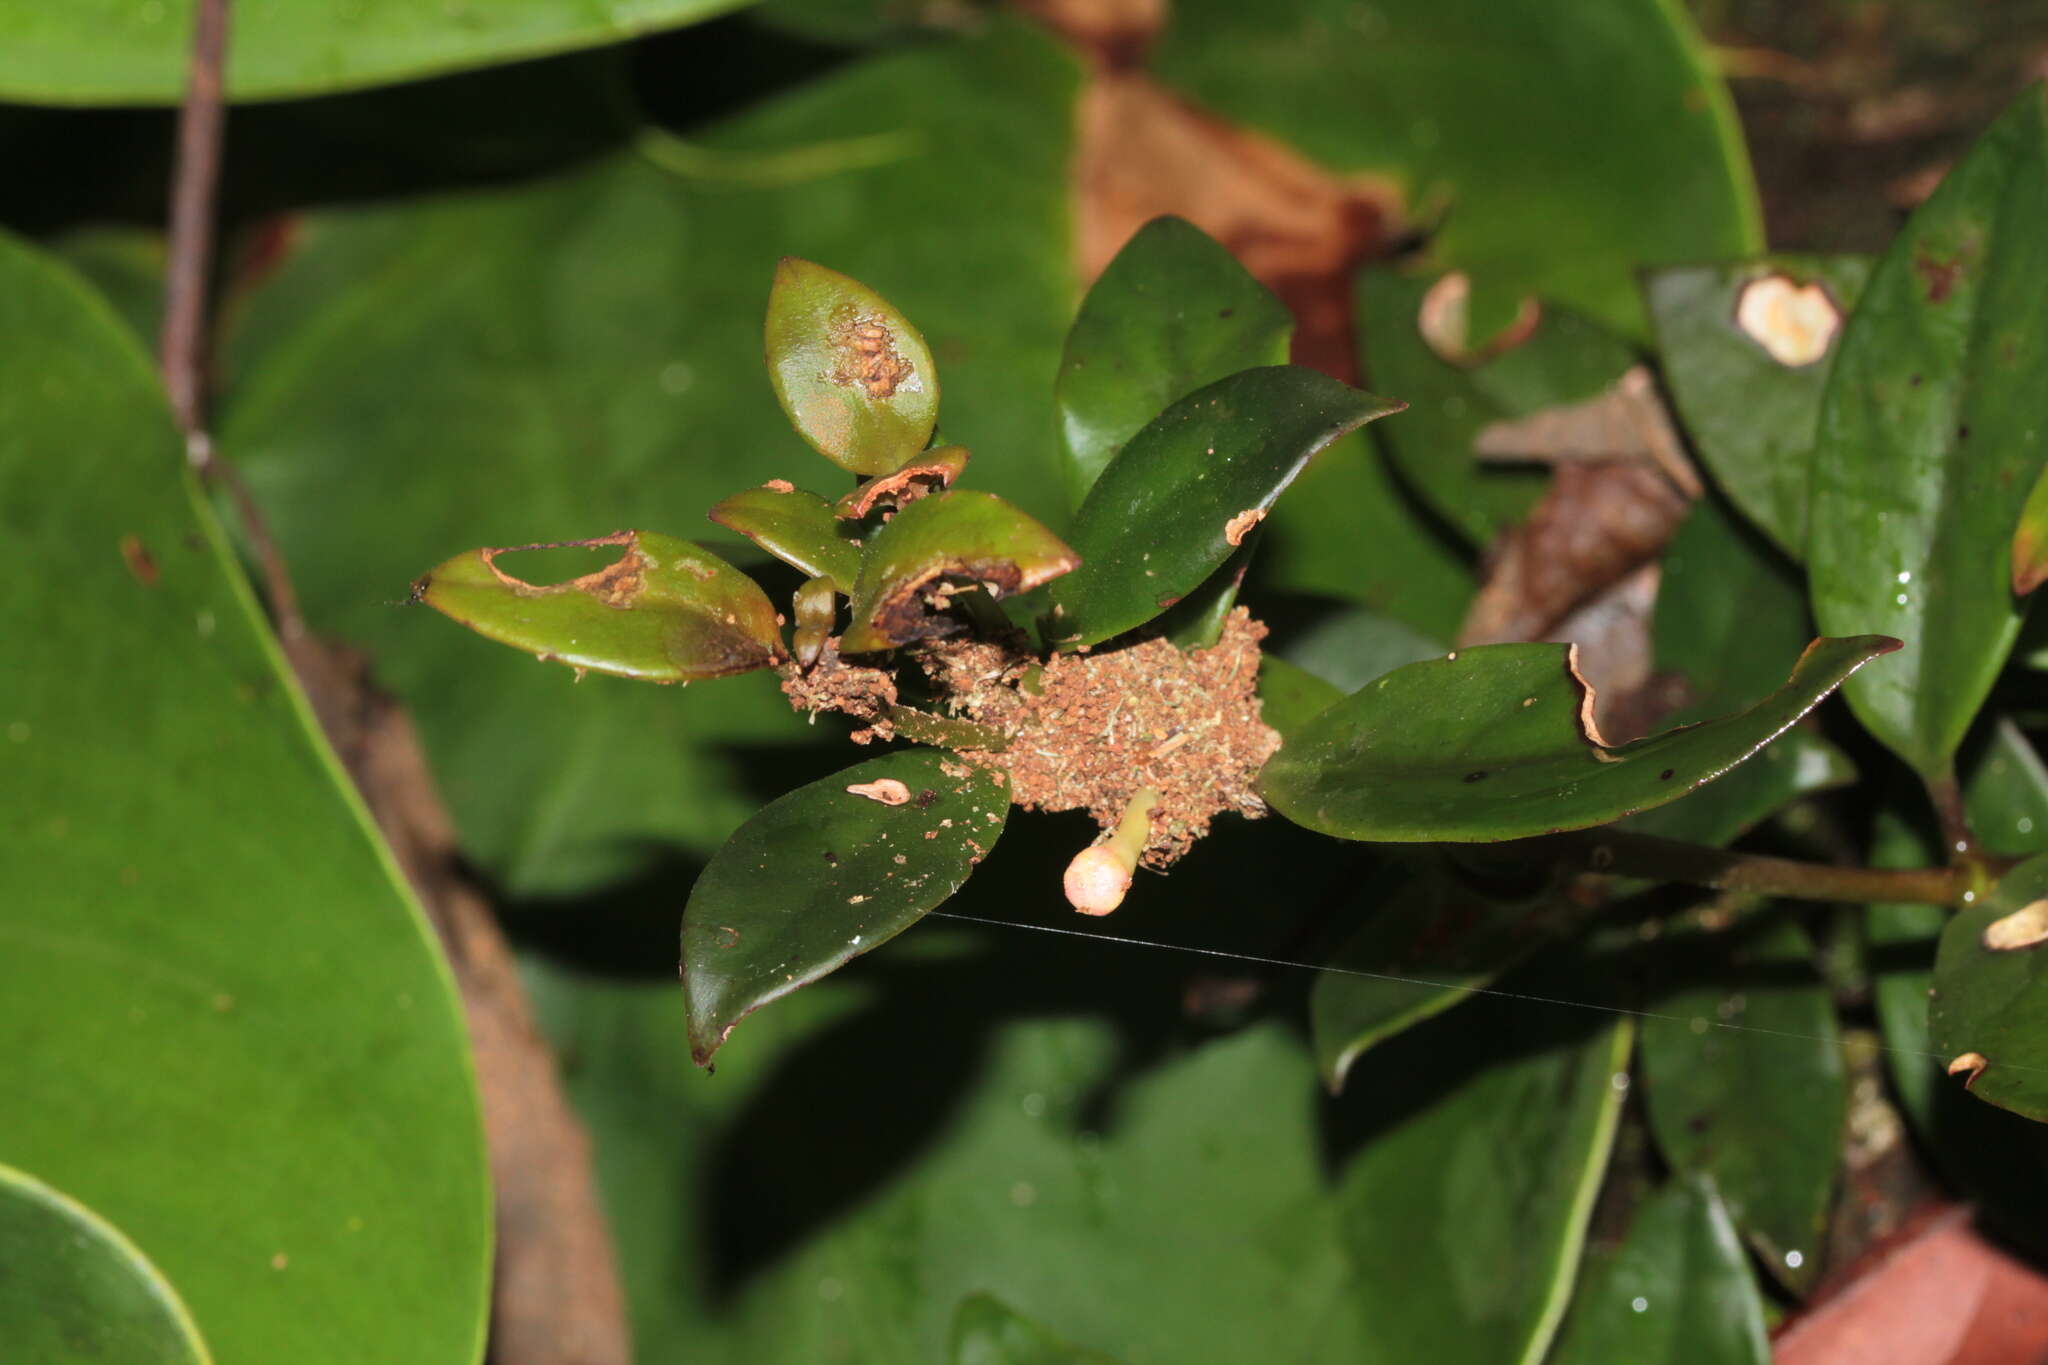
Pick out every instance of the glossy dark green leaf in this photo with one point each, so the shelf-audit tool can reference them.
(1447, 101)
(1744, 1081)
(797, 527)
(662, 611)
(585, 352)
(1184, 492)
(987, 1331)
(855, 1211)
(1677, 1292)
(1930, 438)
(226, 1027)
(1988, 1014)
(112, 52)
(1465, 1208)
(827, 873)
(1995, 1157)
(77, 1292)
(1421, 950)
(1747, 350)
(1729, 607)
(1172, 313)
(957, 535)
(1568, 359)
(854, 377)
(1490, 743)
(1290, 696)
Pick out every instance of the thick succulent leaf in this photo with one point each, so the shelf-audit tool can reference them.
(1445, 98)
(1465, 1207)
(1423, 949)
(927, 472)
(1185, 491)
(853, 376)
(226, 1027)
(662, 611)
(827, 873)
(1930, 439)
(987, 1331)
(1677, 1292)
(961, 534)
(1568, 359)
(113, 52)
(1172, 313)
(1747, 351)
(1993, 1156)
(1728, 606)
(495, 356)
(1759, 1104)
(77, 1292)
(1492, 743)
(799, 528)
(1989, 1011)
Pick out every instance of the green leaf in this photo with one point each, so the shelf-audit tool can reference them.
(495, 356)
(797, 527)
(1465, 1209)
(1185, 491)
(662, 611)
(1747, 352)
(113, 52)
(960, 534)
(1994, 1157)
(1172, 313)
(853, 376)
(1490, 743)
(1353, 646)
(1989, 1010)
(76, 1291)
(227, 1028)
(1443, 99)
(1930, 440)
(1727, 605)
(1290, 696)
(987, 1331)
(1568, 359)
(1744, 1081)
(827, 873)
(1423, 950)
(780, 1212)
(1677, 1292)
(2030, 541)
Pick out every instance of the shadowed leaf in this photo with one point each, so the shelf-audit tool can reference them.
(1989, 1012)
(797, 527)
(824, 874)
(987, 1331)
(663, 611)
(854, 377)
(1490, 743)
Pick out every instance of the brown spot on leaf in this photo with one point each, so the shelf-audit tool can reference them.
(1240, 526)
(864, 355)
(617, 584)
(140, 564)
(1939, 276)
(931, 472)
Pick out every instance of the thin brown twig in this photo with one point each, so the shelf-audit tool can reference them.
(1626, 854)
(188, 272)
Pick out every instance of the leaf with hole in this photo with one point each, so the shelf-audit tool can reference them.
(1172, 313)
(797, 527)
(853, 376)
(1184, 492)
(1930, 439)
(1493, 743)
(77, 1291)
(827, 873)
(663, 610)
(931, 545)
(1747, 352)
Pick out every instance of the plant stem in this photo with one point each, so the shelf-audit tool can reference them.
(1099, 875)
(1947, 795)
(1626, 854)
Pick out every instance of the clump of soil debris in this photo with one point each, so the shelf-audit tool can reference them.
(1087, 731)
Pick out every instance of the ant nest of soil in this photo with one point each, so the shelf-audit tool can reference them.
(1088, 731)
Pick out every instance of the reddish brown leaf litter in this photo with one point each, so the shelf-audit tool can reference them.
(1088, 731)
